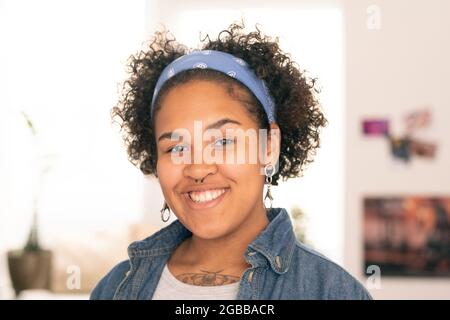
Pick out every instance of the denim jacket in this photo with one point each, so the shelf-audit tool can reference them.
(282, 267)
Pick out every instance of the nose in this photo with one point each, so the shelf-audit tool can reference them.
(198, 172)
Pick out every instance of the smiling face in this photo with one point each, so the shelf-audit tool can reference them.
(230, 196)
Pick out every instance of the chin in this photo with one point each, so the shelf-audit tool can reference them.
(209, 232)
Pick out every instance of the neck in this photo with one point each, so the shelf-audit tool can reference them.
(228, 251)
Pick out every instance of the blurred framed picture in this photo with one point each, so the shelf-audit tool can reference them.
(407, 236)
(375, 127)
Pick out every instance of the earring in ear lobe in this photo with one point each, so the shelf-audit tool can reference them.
(163, 210)
(269, 171)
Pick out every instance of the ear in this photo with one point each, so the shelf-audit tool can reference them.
(273, 145)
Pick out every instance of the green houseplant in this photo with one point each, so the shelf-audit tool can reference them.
(31, 266)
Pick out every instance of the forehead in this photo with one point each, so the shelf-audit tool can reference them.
(204, 101)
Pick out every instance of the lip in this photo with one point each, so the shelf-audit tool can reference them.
(204, 205)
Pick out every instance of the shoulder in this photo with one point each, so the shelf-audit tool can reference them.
(326, 278)
(108, 285)
(160, 243)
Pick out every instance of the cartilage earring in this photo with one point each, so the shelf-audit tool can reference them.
(269, 171)
(163, 211)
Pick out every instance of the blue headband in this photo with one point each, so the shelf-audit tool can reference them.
(225, 63)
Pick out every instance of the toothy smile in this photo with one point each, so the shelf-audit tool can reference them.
(206, 195)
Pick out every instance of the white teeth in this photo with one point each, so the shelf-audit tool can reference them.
(205, 196)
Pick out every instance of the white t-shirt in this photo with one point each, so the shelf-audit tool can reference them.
(170, 288)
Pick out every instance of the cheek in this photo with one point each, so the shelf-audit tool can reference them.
(244, 175)
(168, 174)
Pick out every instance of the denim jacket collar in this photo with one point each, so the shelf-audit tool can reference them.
(275, 244)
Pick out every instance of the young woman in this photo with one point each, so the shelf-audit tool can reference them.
(214, 126)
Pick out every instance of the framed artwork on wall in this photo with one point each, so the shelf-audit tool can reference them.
(407, 236)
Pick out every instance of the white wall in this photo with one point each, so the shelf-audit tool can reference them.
(391, 71)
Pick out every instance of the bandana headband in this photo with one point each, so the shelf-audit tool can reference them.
(225, 63)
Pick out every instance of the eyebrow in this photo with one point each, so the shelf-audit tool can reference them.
(214, 125)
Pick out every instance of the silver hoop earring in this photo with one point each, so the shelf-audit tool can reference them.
(163, 210)
(269, 171)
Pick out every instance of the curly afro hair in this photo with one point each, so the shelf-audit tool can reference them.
(298, 111)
